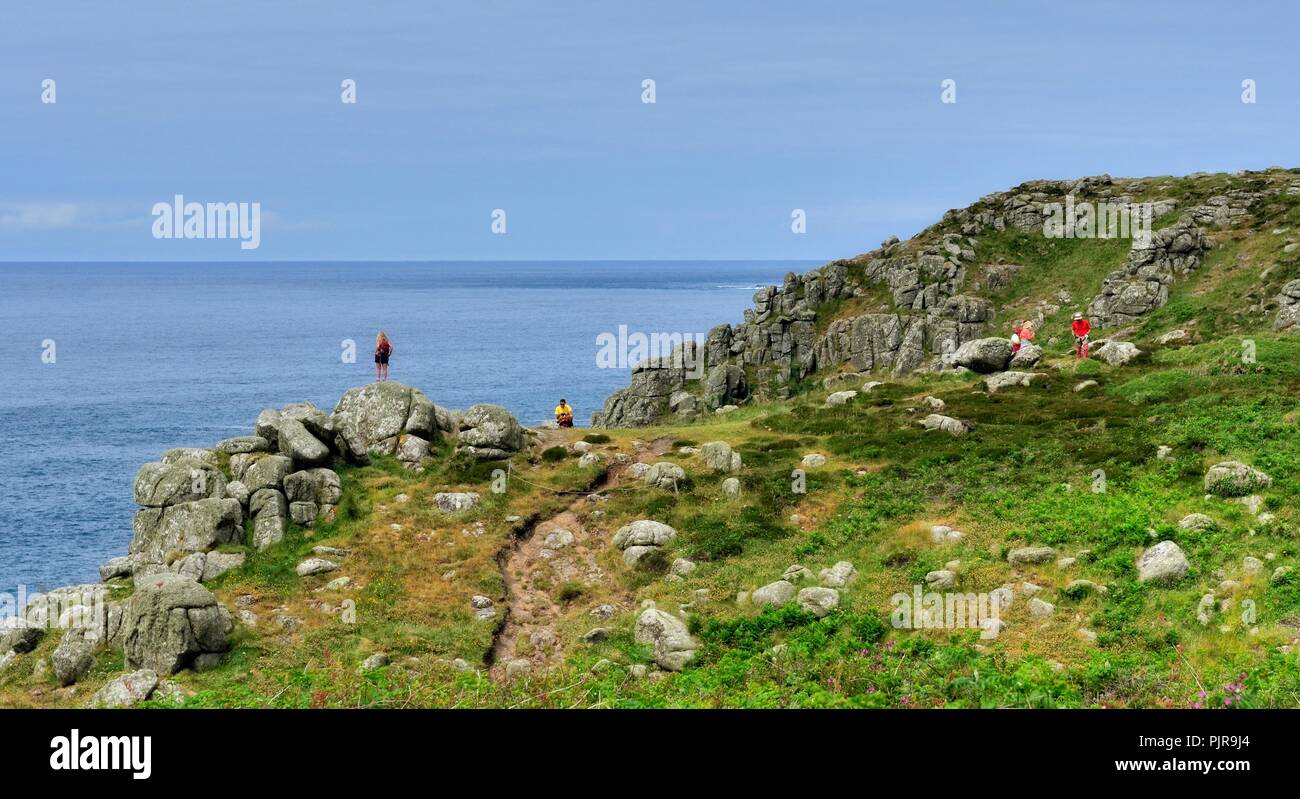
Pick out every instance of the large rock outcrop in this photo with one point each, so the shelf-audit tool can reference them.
(1142, 284)
(379, 417)
(490, 432)
(170, 621)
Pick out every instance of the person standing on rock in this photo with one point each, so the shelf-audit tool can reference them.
(1081, 328)
(383, 349)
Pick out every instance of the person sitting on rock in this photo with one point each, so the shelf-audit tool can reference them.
(564, 414)
(1081, 328)
(1022, 335)
(383, 349)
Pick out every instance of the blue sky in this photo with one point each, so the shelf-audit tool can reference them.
(535, 108)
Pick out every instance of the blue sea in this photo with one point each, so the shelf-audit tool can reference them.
(152, 356)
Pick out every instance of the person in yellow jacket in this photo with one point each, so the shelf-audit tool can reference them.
(564, 414)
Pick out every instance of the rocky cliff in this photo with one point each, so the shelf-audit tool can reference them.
(909, 306)
(203, 509)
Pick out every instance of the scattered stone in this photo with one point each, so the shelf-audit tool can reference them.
(1162, 564)
(813, 460)
(837, 576)
(819, 601)
(775, 594)
(1084, 385)
(558, 539)
(996, 382)
(664, 475)
(934, 404)
(1116, 353)
(796, 574)
(985, 355)
(1252, 565)
(1196, 521)
(941, 580)
(375, 661)
(312, 566)
(1026, 357)
(719, 457)
(682, 567)
(455, 501)
(1234, 479)
(840, 397)
(518, 668)
(943, 534)
(1040, 609)
(673, 644)
(128, 690)
(731, 488)
(1026, 556)
(947, 424)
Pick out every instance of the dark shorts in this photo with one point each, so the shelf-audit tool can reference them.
(381, 358)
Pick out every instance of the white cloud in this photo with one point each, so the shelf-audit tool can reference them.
(37, 216)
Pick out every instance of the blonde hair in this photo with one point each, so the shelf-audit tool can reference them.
(381, 337)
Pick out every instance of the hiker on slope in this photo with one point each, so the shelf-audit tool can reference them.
(1081, 328)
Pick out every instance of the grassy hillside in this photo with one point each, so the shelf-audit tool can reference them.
(1075, 467)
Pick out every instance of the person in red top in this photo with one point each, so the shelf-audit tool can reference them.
(383, 349)
(1022, 335)
(1081, 328)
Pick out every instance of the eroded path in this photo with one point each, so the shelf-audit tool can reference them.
(552, 559)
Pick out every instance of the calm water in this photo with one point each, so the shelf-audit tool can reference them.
(152, 356)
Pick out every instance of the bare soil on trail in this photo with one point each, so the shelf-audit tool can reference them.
(544, 565)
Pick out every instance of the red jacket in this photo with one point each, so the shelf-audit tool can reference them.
(1081, 327)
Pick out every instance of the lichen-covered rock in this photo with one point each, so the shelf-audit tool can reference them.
(1162, 564)
(664, 475)
(1026, 357)
(643, 532)
(160, 484)
(673, 645)
(266, 472)
(128, 690)
(1235, 479)
(1142, 284)
(719, 457)
(947, 424)
(243, 445)
(169, 621)
(490, 432)
(455, 501)
(270, 513)
(996, 382)
(297, 443)
(775, 594)
(1116, 353)
(75, 654)
(188, 527)
(370, 419)
(1029, 556)
(984, 355)
(819, 601)
(839, 575)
